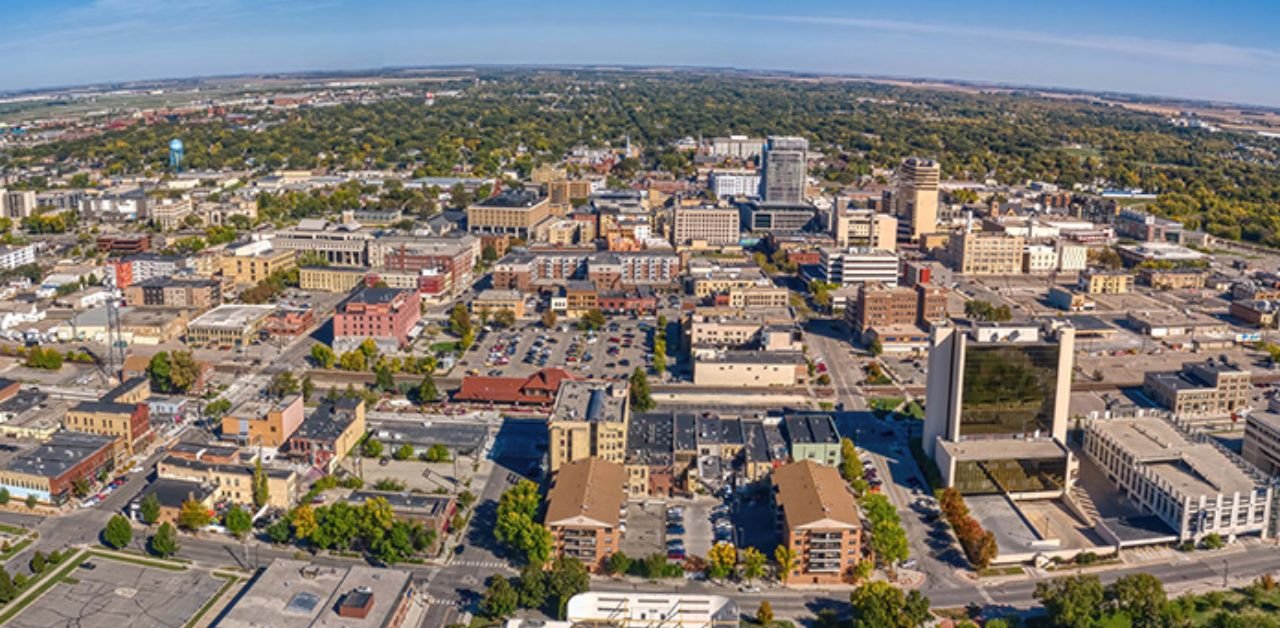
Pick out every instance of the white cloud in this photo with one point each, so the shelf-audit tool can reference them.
(1206, 53)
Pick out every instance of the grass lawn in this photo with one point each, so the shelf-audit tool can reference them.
(444, 347)
(139, 560)
(884, 404)
(16, 547)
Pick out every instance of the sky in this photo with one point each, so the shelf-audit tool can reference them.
(1221, 50)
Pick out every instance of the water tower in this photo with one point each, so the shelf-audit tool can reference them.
(176, 152)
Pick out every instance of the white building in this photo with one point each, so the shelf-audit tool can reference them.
(1039, 259)
(14, 256)
(1188, 482)
(1072, 257)
(17, 313)
(735, 184)
(18, 204)
(859, 265)
(629, 609)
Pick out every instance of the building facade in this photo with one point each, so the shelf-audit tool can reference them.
(583, 506)
(820, 522)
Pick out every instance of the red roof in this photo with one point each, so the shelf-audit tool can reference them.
(544, 383)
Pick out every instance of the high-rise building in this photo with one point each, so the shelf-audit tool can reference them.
(915, 200)
(783, 170)
(864, 228)
(18, 204)
(996, 417)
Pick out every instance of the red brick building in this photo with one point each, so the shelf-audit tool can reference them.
(123, 245)
(537, 389)
(386, 315)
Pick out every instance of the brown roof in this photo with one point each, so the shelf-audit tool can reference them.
(809, 492)
(587, 493)
(513, 389)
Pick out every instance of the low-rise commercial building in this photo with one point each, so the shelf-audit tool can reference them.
(813, 437)
(330, 433)
(127, 423)
(820, 522)
(494, 301)
(231, 481)
(50, 470)
(751, 369)
(1102, 281)
(514, 212)
(228, 325)
(296, 594)
(330, 278)
(584, 507)
(265, 423)
(985, 253)
(851, 266)
(1187, 482)
(1202, 392)
(197, 294)
(1172, 279)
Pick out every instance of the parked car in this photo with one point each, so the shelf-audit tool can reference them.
(675, 530)
(675, 554)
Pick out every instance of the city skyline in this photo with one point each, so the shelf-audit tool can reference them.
(1180, 50)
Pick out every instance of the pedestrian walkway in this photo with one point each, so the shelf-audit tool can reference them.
(486, 564)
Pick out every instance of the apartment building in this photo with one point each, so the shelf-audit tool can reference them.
(878, 306)
(1202, 393)
(167, 214)
(1039, 259)
(265, 423)
(722, 280)
(514, 212)
(857, 265)
(1102, 281)
(386, 315)
(1262, 438)
(820, 522)
(17, 204)
(734, 184)
(784, 169)
(584, 510)
(197, 294)
(708, 226)
(589, 419)
(330, 278)
(451, 256)
(758, 297)
(1173, 278)
(985, 253)
(563, 194)
(12, 257)
(607, 270)
(1189, 482)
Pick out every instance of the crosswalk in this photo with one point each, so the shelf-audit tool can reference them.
(487, 564)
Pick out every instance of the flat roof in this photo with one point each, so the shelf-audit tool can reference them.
(649, 439)
(422, 504)
(1004, 448)
(61, 453)
(232, 316)
(757, 357)
(296, 594)
(1193, 468)
(594, 402)
(456, 436)
(811, 429)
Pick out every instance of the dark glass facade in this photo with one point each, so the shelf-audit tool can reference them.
(1009, 389)
(996, 477)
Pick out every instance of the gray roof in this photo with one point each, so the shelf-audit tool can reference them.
(812, 429)
(59, 454)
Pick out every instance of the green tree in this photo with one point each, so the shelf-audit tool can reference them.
(353, 361)
(403, 452)
(150, 509)
(752, 563)
(4, 496)
(500, 599)
(38, 563)
(261, 485)
(1071, 601)
(308, 388)
(282, 384)
(237, 521)
(1212, 541)
(372, 448)
(618, 564)
(567, 578)
(160, 371)
(489, 253)
(323, 356)
(427, 391)
(459, 320)
(548, 318)
(184, 371)
(279, 532)
(594, 319)
(1139, 596)
(641, 400)
(369, 348)
(7, 589)
(437, 453)
(118, 532)
(164, 543)
(193, 515)
(850, 465)
(383, 379)
(533, 586)
(888, 539)
(504, 318)
(876, 347)
(32, 501)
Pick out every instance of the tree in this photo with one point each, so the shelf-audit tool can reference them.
(879, 605)
(279, 531)
(164, 543)
(594, 319)
(282, 384)
(150, 509)
(1212, 541)
(500, 599)
(437, 453)
(533, 586)
(567, 578)
(371, 448)
(184, 370)
(323, 356)
(489, 253)
(369, 349)
(118, 532)
(403, 452)
(786, 559)
(659, 355)
(764, 614)
(1071, 601)
(38, 563)
(427, 391)
(161, 372)
(888, 539)
(304, 521)
(752, 563)
(4, 496)
(1139, 596)
(641, 400)
(721, 560)
(193, 515)
(80, 486)
(876, 347)
(353, 361)
(7, 590)
(261, 486)
(308, 387)
(504, 318)
(618, 564)
(383, 380)
(459, 320)
(548, 318)
(32, 501)
(850, 465)
(237, 521)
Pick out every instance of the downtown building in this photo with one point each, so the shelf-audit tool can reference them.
(608, 270)
(845, 267)
(385, 315)
(996, 418)
(915, 197)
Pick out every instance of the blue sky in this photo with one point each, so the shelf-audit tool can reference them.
(1223, 50)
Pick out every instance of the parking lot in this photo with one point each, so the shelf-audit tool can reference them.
(612, 352)
(113, 593)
